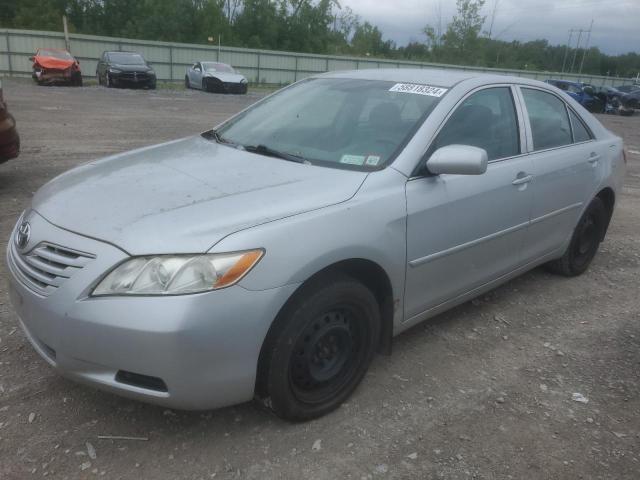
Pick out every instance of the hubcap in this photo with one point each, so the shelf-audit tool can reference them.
(587, 237)
(325, 356)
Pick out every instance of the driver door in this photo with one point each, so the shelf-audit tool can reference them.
(464, 231)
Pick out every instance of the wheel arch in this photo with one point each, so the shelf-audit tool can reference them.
(370, 274)
(608, 197)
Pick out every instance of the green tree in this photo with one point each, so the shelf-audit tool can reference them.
(461, 40)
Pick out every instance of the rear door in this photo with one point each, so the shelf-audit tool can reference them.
(565, 157)
(466, 230)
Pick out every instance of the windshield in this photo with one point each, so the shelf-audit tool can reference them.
(60, 54)
(126, 58)
(344, 123)
(217, 67)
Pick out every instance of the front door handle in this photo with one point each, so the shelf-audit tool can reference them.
(522, 180)
(594, 158)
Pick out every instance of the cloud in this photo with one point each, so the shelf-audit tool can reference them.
(615, 28)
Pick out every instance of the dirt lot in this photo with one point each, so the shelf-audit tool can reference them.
(484, 391)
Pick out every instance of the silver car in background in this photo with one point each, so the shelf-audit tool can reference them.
(215, 77)
(273, 256)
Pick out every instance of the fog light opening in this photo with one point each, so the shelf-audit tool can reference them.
(141, 381)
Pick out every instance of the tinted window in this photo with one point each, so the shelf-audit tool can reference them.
(549, 120)
(580, 132)
(486, 119)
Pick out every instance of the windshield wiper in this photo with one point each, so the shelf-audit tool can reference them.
(264, 150)
(214, 135)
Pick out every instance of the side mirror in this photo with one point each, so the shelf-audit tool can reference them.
(32, 58)
(458, 160)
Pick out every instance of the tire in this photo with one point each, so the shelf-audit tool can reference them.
(76, 80)
(319, 348)
(584, 243)
(152, 85)
(186, 83)
(107, 80)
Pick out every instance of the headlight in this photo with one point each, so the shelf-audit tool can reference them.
(177, 274)
(114, 70)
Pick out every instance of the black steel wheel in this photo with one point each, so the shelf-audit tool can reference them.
(585, 241)
(319, 348)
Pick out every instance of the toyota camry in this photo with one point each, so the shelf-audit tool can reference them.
(273, 256)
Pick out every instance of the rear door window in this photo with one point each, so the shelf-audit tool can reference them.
(549, 119)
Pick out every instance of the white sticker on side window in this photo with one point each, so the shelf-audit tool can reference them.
(418, 89)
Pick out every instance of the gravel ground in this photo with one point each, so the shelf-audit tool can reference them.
(483, 391)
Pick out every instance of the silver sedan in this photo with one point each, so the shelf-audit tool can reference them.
(215, 77)
(274, 255)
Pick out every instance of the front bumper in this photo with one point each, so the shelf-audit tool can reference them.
(204, 347)
(52, 76)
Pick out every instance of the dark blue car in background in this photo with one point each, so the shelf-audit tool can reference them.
(584, 94)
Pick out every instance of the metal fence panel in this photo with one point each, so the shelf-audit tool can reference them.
(170, 60)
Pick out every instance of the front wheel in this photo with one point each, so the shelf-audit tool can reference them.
(584, 243)
(321, 348)
(187, 85)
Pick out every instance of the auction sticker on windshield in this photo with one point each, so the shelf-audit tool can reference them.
(418, 89)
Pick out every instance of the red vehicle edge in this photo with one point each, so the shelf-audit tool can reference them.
(9, 139)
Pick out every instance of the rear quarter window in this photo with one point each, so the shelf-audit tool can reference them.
(580, 131)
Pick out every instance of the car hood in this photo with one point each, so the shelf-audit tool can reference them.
(131, 68)
(226, 76)
(53, 62)
(185, 196)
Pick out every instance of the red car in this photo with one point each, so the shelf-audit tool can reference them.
(51, 65)
(9, 139)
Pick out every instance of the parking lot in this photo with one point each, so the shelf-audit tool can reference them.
(485, 391)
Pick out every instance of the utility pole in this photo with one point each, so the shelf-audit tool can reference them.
(566, 50)
(575, 54)
(66, 32)
(586, 47)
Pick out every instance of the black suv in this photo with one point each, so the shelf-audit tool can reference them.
(125, 69)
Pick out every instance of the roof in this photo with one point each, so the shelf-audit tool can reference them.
(431, 76)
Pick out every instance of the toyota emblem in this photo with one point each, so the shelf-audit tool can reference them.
(23, 234)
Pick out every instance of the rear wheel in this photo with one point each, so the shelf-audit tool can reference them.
(321, 349)
(584, 243)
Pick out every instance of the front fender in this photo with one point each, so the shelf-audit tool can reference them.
(369, 226)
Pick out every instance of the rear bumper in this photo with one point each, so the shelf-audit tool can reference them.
(204, 348)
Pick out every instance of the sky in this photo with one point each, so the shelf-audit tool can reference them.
(616, 27)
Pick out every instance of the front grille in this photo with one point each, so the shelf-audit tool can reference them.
(131, 76)
(45, 267)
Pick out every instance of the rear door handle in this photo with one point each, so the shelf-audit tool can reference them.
(522, 180)
(594, 158)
